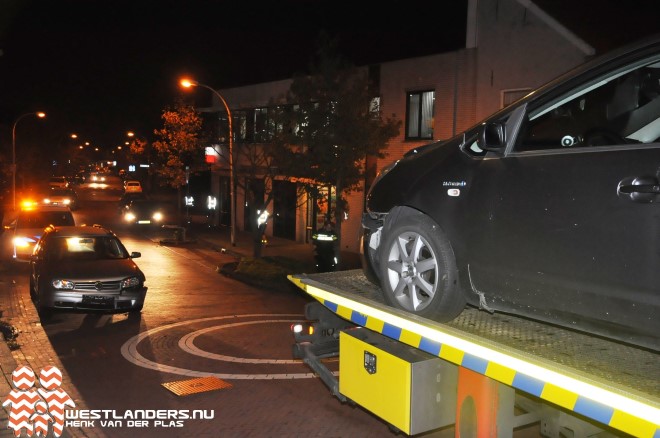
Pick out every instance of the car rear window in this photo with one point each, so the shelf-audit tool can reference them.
(41, 219)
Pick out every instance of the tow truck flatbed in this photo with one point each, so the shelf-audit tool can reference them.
(613, 384)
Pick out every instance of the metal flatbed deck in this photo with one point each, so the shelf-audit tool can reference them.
(611, 383)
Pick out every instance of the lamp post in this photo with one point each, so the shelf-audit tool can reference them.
(39, 114)
(187, 83)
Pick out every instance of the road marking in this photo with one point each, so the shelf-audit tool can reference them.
(186, 343)
(130, 353)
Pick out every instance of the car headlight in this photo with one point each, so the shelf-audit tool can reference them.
(63, 284)
(22, 241)
(130, 282)
(46, 201)
(67, 201)
(158, 216)
(129, 217)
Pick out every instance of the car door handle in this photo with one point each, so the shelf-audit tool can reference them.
(642, 188)
(639, 189)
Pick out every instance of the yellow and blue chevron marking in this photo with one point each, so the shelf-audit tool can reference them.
(597, 403)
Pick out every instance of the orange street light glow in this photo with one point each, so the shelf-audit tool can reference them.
(187, 83)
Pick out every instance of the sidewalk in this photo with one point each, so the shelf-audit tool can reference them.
(219, 239)
(36, 351)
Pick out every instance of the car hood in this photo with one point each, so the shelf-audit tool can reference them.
(97, 270)
(396, 182)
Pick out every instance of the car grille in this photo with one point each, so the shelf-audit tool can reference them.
(98, 286)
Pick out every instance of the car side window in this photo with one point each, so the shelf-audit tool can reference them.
(618, 109)
(109, 248)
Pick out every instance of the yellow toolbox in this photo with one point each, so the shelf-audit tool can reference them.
(412, 390)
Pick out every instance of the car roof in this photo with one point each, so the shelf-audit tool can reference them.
(81, 230)
(40, 208)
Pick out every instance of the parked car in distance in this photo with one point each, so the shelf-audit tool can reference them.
(132, 186)
(105, 181)
(547, 209)
(85, 268)
(29, 225)
(148, 213)
(61, 197)
(59, 182)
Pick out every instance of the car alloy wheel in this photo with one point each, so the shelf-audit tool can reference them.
(418, 269)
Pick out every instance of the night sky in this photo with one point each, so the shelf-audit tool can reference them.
(101, 68)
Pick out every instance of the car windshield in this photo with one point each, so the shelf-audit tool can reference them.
(61, 192)
(41, 219)
(146, 206)
(85, 248)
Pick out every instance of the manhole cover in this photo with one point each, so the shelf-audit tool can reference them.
(194, 386)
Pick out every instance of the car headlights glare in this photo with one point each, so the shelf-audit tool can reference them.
(22, 241)
(129, 217)
(158, 216)
(63, 284)
(130, 282)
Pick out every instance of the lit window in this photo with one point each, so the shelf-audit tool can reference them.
(419, 120)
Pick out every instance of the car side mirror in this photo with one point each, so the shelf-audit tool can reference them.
(136, 254)
(492, 137)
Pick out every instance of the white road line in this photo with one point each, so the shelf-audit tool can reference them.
(186, 343)
(130, 353)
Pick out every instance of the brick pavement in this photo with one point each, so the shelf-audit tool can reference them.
(34, 350)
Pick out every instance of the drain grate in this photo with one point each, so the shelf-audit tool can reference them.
(194, 386)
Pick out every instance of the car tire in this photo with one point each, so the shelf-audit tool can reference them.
(43, 311)
(418, 269)
(33, 295)
(136, 309)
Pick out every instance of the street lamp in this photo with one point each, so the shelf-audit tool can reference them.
(39, 114)
(187, 83)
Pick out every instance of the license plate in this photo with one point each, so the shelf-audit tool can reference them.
(144, 222)
(97, 299)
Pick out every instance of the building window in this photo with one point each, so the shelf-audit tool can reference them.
(240, 126)
(419, 120)
(261, 125)
(374, 106)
